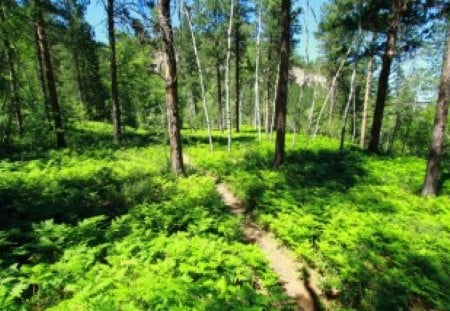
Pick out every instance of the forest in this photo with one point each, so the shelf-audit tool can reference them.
(224, 155)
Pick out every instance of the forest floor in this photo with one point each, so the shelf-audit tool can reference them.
(101, 227)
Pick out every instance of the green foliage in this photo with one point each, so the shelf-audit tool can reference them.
(356, 218)
(109, 229)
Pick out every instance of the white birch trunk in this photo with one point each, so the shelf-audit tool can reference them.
(347, 108)
(330, 90)
(257, 107)
(362, 140)
(200, 74)
(227, 75)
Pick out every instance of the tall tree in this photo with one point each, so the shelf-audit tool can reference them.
(257, 105)
(200, 75)
(383, 80)
(227, 75)
(217, 65)
(399, 26)
(41, 74)
(237, 58)
(113, 67)
(362, 141)
(347, 106)
(430, 186)
(49, 75)
(282, 89)
(10, 59)
(173, 119)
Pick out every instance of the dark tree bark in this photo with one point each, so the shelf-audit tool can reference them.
(282, 89)
(113, 67)
(14, 86)
(237, 51)
(49, 75)
(13, 81)
(41, 75)
(430, 186)
(383, 80)
(173, 119)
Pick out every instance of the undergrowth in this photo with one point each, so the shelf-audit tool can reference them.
(99, 227)
(357, 219)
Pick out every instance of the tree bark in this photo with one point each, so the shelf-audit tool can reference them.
(116, 116)
(311, 110)
(13, 78)
(237, 52)
(200, 74)
(269, 83)
(430, 185)
(51, 83)
(41, 75)
(347, 106)
(14, 86)
(382, 91)
(227, 75)
(219, 91)
(330, 90)
(257, 106)
(383, 80)
(362, 141)
(173, 119)
(282, 90)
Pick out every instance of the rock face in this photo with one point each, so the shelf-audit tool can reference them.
(302, 77)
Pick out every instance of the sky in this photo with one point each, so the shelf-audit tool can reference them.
(96, 16)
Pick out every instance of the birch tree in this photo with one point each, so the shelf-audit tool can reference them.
(257, 104)
(200, 75)
(227, 76)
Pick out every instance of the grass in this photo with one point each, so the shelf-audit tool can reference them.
(357, 219)
(100, 227)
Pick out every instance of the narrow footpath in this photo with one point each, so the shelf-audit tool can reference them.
(298, 281)
(304, 291)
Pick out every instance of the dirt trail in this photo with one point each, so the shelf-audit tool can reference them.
(304, 291)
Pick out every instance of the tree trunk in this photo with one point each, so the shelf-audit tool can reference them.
(430, 186)
(347, 106)
(272, 119)
(362, 141)
(311, 110)
(227, 75)
(41, 75)
(354, 115)
(332, 105)
(51, 83)
(14, 87)
(113, 67)
(200, 74)
(13, 78)
(383, 80)
(282, 90)
(269, 84)
(237, 52)
(257, 106)
(219, 91)
(330, 90)
(173, 119)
